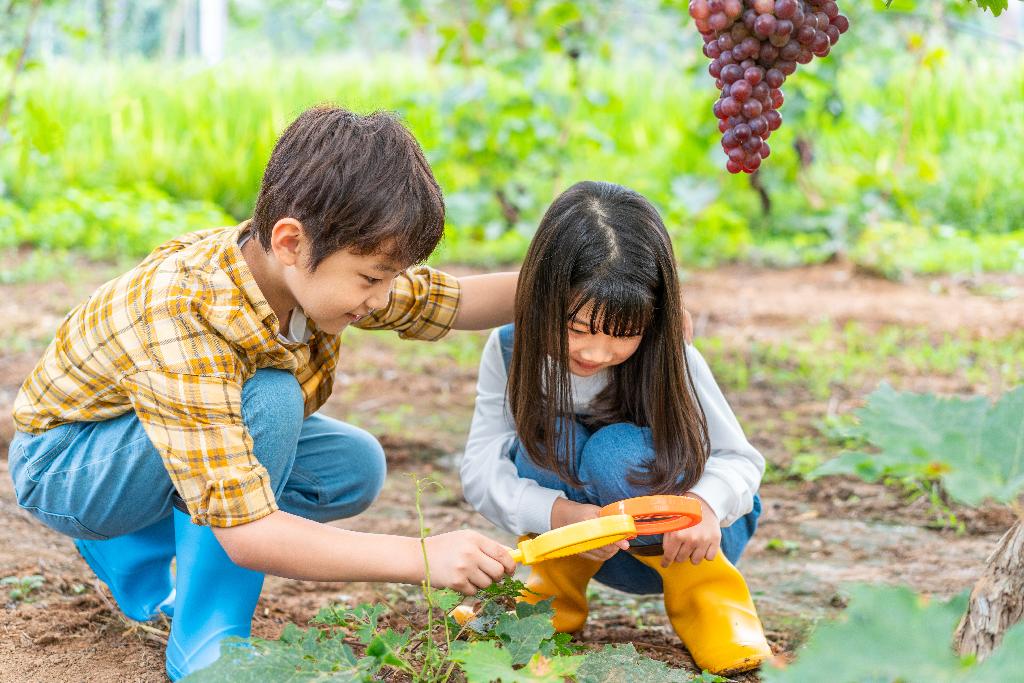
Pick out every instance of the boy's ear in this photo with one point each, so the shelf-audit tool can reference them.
(287, 241)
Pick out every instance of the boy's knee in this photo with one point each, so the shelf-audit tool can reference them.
(365, 469)
(273, 396)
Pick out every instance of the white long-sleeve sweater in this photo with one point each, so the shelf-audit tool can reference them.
(492, 485)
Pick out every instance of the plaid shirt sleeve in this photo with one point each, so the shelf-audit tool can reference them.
(195, 422)
(423, 305)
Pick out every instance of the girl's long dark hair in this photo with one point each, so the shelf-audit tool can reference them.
(604, 246)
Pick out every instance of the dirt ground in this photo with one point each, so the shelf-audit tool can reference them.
(814, 538)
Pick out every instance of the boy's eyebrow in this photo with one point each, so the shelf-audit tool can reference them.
(386, 268)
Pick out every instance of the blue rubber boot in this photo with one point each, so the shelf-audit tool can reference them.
(215, 599)
(137, 568)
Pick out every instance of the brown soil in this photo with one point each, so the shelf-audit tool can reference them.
(814, 537)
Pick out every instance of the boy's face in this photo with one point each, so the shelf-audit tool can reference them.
(345, 287)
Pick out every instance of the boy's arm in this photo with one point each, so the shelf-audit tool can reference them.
(287, 545)
(487, 301)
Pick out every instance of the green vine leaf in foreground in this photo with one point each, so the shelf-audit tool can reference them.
(623, 664)
(484, 662)
(975, 448)
(891, 634)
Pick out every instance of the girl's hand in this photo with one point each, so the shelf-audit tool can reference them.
(697, 543)
(565, 512)
(467, 561)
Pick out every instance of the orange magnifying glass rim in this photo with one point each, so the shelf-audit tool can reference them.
(658, 514)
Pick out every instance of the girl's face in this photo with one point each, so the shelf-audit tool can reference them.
(589, 353)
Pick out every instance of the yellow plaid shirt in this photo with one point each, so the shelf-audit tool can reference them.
(175, 338)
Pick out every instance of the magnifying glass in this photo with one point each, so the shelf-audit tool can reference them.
(657, 514)
(576, 538)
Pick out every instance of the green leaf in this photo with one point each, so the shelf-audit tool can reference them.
(362, 618)
(485, 662)
(385, 648)
(444, 599)
(304, 655)
(994, 6)
(623, 664)
(887, 634)
(975, 449)
(523, 637)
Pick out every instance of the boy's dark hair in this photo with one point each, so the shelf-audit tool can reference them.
(354, 182)
(602, 256)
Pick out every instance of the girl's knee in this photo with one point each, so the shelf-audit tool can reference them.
(617, 445)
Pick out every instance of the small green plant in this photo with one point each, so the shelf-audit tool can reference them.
(782, 546)
(22, 587)
(505, 641)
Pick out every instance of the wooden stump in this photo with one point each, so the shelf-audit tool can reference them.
(997, 600)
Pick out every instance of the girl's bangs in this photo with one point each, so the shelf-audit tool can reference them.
(618, 309)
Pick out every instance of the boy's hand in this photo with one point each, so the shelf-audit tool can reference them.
(565, 512)
(467, 561)
(697, 543)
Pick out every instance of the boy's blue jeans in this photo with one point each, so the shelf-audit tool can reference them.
(97, 480)
(603, 461)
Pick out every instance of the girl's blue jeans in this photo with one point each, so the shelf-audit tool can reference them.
(97, 480)
(603, 461)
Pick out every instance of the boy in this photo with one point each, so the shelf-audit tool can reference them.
(174, 413)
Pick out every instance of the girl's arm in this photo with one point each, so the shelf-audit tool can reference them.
(734, 470)
(490, 481)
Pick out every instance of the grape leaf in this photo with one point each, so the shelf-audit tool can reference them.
(443, 598)
(298, 656)
(887, 634)
(522, 637)
(485, 662)
(994, 6)
(623, 664)
(974, 448)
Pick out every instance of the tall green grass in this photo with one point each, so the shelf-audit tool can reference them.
(925, 145)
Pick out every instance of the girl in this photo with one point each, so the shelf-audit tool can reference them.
(592, 397)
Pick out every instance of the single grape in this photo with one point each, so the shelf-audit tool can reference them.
(765, 150)
(732, 166)
(831, 9)
(785, 9)
(774, 78)
(729, 139)
(752, 108)
(769, 53)
(741, 90)
(726, 41)
(699, 9)
(777, 98)
(806, 34)
(841, 23)
(752, 144)
(786, 66)
(737, 154)
(732, 73)
(754, 75)
(733, 8)
(759, 125)
(789, 52)
(731, 107)
(765, 25)
(715, 68)
(833, 34)
(761, 91)
(741, 132)
(718, 21)
(774, 119)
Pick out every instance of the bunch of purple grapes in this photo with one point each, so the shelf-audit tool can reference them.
(753, 46)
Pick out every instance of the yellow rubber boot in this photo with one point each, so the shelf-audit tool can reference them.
(565, 579)
(710, 608)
